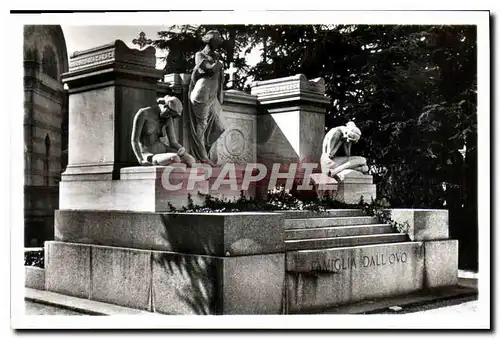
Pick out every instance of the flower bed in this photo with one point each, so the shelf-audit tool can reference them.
(277, 200)
(281, 199)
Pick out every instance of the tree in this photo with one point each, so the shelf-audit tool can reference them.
(412, 90)
(182, 42)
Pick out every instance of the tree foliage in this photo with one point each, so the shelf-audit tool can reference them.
(410, 88)
(182, 42)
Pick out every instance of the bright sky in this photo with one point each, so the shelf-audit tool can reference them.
(84, 37)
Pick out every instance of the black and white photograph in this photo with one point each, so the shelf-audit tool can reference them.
(181, 168)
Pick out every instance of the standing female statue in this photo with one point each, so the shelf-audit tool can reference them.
(331, 162)
(205, 99)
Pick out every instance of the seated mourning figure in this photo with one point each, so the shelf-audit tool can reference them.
(153, 137)
(337, 141)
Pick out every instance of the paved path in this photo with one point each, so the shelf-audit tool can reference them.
(443, 307)
(32, 308)
(466, 307)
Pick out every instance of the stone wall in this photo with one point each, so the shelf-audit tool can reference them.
(45, 131)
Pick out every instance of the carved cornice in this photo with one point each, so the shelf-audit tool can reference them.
(175, 79)
(107, 60)
(234, 97)
(270, 89)
(115, 51)
(108, 71)
(289, 86)
(86, 60)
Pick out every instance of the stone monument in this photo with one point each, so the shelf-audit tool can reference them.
(116, 242)
(108, 86)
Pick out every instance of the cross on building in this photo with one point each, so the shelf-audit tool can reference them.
(142, 41)
(232, 75)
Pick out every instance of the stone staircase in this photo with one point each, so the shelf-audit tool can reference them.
(338, 257)
(337, 228)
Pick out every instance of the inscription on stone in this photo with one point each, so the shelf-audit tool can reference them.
(92, 59)
(365, 261)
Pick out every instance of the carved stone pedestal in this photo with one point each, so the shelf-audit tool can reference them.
(107, 86)
(291, 120)
(354, 185)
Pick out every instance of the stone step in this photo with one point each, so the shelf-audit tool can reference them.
(322, 243)
(327, 213)
(337, 231)
(329, 221)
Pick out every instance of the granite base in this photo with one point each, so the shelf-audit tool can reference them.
(167, 282)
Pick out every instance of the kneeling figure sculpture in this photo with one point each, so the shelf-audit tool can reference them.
(340, 139)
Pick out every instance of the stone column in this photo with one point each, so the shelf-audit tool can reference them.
(291, 121)
(107, 85)
(237, 144)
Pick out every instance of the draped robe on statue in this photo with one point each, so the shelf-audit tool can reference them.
(205, 99)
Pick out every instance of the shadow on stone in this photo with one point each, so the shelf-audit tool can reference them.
(184, 283)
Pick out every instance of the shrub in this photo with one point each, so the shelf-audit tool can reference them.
(34, 258)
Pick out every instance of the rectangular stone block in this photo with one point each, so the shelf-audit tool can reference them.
(149, 189)
(350, 176)
(317, 279)
(290, 126)
(107, 195)
(441, 263)
(254, 284)
(218, 234)
(352, 193)
(323, 185)
(312, 132)
(141, 195)
(238, 143)
(423, 224)
(107, 85)
(34, 277)
(193, 284)
(186, 284)
(67, 268)
(121, 276)
(91, 142)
